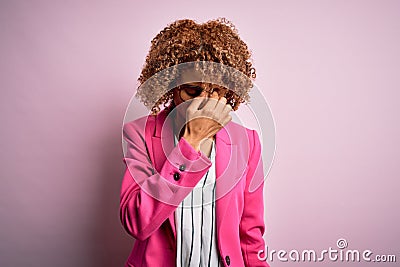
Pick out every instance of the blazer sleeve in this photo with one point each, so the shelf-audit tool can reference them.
(252, 225)
(149, 197)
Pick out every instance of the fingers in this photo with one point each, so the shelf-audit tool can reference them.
(227, 108)
(217, 106)
(212, 101)
(213, 107)
(226, 119)
(220, 105)
(214, 95)
(197, 102)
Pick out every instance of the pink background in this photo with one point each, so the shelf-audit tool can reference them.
(329, 70)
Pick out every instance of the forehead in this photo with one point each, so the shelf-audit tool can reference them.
(190, 76)
(193, 77)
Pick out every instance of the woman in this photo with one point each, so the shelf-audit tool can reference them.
(185, 194)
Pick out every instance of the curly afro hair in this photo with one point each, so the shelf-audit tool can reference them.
(187, 41)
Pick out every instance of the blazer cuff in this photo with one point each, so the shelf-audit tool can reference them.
(185, 166)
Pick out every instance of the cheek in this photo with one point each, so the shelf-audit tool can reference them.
(177, 101)
(176, 98)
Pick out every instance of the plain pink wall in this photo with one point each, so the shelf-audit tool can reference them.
(329, 70)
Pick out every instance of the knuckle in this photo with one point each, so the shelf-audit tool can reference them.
(208, 113)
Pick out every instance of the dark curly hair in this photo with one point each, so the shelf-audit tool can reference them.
(187, 41)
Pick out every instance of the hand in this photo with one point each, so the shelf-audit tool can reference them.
(205, 116)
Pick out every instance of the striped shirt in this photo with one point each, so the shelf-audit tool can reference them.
(195, 223)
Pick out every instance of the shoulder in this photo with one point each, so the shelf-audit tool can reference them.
(239, 133)
(148, 121)
(139, 122)
(137, 129)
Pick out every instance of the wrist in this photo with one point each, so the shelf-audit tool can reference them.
(192, 141)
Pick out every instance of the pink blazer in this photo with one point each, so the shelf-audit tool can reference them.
(159, 176)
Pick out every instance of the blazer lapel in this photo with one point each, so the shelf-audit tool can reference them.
(161, 135)
(225, 162)
(161, 139)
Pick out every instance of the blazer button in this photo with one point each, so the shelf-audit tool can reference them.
(177, 176)
(228, 260)
(182, 167)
